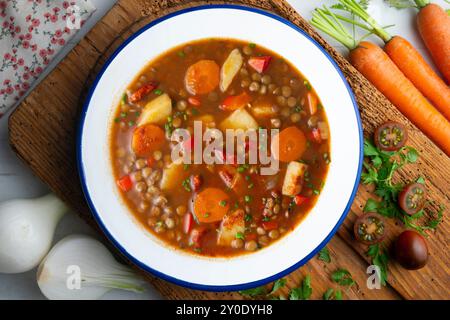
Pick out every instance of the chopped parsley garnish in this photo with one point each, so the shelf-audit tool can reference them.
(240, 235)
(158, 92)
(307, 84)
(124, 98)
(186, 184)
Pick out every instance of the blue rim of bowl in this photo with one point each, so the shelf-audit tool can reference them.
(198, 286)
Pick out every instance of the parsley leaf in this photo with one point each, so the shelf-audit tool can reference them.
(254, 292)
(342, 277)
(324, 255)
(303, 292)
(380, 259)
(330, 294)
(280, 283)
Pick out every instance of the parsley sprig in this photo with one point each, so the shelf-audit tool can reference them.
(380, 258)
(379, 170)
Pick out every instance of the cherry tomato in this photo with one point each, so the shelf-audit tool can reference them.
(369, 228)
(411, 250)
(412, 198)
(390, 136)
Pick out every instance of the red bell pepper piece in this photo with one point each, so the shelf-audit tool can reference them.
(232, 103)
(315, 135)
(196, 237)
(194, 101)
(260, 64)
(299, 199)
(188, 221)
(125, 184)
(270, 225)
(142, 92)
(312, 102)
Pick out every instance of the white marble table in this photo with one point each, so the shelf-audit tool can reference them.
(17, 181)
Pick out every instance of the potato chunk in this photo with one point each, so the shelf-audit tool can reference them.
(230, 68)
(262, 108)
(293, 180)
(239, 119)
(156, 111)
(172, 177)
(232, 224)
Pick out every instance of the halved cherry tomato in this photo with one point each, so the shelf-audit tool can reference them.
(211, 205)
(270, 225)
(188, 221)
(146, 139)
(299, 199)
(390, 136)
(142, 91)
(202, 77)
(194, 101)
(312, 101)
(369, 228)
(412, 198)
(259, 64)
(289, 144)
(232, 103)
(316, 136)
(125, 184)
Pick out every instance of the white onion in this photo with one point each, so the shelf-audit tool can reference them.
(26, 231)
(80, 267)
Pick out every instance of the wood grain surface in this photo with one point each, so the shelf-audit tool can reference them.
(43, 129)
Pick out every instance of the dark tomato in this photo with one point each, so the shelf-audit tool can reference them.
(390, 136)
(411, 250)
(369, 228)
(412, 198)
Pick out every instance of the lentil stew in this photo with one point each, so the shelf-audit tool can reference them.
(226, 209)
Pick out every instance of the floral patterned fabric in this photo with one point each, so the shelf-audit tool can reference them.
(31, 33)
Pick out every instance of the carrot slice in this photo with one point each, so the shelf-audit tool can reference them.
(202, 77)
(211, 205)
(289, 144)
(146, 139)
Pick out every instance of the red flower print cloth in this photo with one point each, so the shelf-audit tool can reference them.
(31, 33)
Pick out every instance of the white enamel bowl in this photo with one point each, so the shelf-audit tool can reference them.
(282, 257)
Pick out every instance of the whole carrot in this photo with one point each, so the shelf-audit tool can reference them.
(434, 27)
(415, 68)
(407, 59)
(378, 68)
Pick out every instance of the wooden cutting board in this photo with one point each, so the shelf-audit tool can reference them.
(42, 132)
